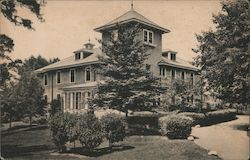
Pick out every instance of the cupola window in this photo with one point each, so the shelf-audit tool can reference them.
(148, 36)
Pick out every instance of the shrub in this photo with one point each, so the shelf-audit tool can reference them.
(113, 127)
(176, 126)
(62, 126)
(143, 123)
(198, 118)
(220, 116)
(89, 131)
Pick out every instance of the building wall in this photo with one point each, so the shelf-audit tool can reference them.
(53, 88)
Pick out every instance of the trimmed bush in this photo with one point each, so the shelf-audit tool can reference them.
(62, 126)
(220, 116)
(89, 131)
(143, 123)
(176, 126)
(198, 118)
(113, 127)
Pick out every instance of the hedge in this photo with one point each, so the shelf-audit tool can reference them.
(220, 116)
(198, 118)
(176, 126)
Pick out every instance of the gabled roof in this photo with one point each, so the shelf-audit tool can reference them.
(130, 16)
(179, 63)
(71, 62)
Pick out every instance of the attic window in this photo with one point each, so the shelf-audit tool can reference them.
(77, 56)
(173, 56)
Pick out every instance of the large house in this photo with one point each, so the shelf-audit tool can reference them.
(73, 79)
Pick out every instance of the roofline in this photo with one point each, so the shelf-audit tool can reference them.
(178, 66)
(100, 29)
(66, 66)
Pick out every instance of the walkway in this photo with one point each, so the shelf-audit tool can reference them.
(229, 139)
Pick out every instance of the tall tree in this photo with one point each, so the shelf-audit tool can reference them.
(31, 91)
(128, 85)
(224, 53)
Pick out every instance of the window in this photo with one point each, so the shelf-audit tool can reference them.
(183, 75)
(148, 36)
(78, 55)
(173, 56)
(87, 74)
(72, 75)
(58, 96)
(58, 77)
(115, 35)
(173, 74)
(162, 71)
(45, 79)
(192, 79)
(45, 99)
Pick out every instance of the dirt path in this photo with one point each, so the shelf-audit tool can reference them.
(229, 139)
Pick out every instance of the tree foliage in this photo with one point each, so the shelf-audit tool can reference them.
(31, 91)
(128, 85)
(224, 53)
(9, 10)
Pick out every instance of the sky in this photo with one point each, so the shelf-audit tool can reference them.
(69, 24)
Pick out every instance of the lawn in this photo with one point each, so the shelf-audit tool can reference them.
(35, 143)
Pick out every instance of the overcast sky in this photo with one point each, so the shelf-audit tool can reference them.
(69, 24)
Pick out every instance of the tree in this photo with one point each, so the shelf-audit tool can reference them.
(182, 94)
(33, 63)
(10, 102)
(31, 91)
(129, 85)
(224, 53)
(9, 11)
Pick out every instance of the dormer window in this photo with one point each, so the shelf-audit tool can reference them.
(77, 55)
(148, 36)
(173, 56)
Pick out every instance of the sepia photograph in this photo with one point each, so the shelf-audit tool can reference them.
(125, 79)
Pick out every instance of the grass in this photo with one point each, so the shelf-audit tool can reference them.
(35, 143)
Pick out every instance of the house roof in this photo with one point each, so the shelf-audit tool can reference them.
(71, 62)
(130, 16)
(178, 63)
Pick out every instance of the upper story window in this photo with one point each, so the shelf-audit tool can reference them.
(183, 75)
(173, 56)
(192, 78)
(45, 79)
(148, 36)
(115, 34)
(77, 55)
(173, 74)
(72, 75)
(87, 74)
(58, 77)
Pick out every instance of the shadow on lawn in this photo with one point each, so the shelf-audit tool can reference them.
(17, 129)
(15, 150)
(100, 151)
